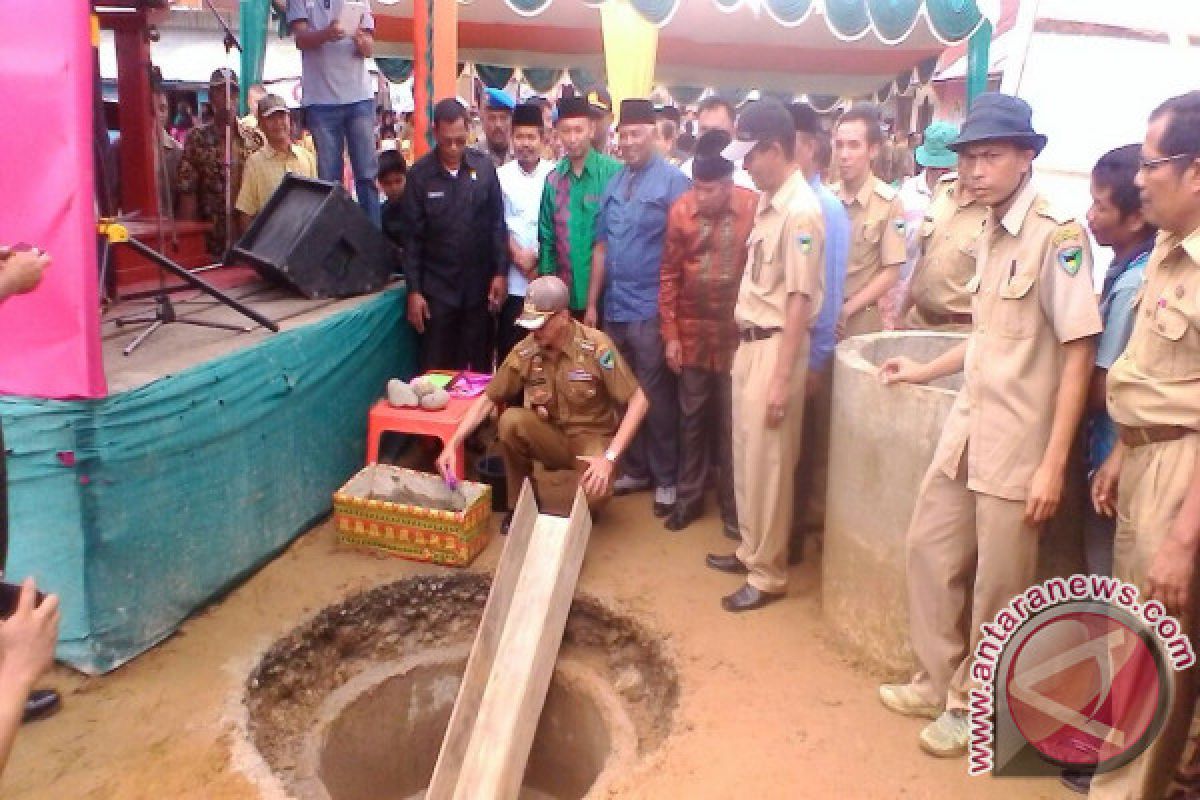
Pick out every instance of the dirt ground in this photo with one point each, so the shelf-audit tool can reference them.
(767, 707)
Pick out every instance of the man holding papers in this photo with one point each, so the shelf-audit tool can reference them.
(335, 38)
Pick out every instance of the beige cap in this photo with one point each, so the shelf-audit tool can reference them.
(544, 298)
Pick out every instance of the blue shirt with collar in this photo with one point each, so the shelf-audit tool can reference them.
(1121, 285)
(837, 252)
(632, 224)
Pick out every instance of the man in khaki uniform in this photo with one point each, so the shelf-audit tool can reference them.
(938, 298)
(876, 222)
(1154, 397)
(574, 382)
(998, 470)
(778, 300)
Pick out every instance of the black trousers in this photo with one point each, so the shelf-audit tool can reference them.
(457, 338)
(508, 334)
(3, 503)
(706, 439)
(654, 452)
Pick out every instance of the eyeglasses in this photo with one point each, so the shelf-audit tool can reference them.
(1151, 163)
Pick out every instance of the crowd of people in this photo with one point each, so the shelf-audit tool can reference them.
(677, 324)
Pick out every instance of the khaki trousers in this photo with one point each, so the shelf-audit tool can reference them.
(525, 438)
(968, 555)
(1154, 480)
(764, 461)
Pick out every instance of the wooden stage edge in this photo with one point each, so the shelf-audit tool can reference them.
(178, 346)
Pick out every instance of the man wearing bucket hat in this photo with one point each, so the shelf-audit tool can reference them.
(998, 470)
(942, 238)
(574, 384)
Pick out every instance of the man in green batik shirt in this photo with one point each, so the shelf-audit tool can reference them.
(571, 201)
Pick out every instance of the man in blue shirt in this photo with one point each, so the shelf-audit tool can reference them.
(631, 227)
(339, 95)
(809, 504)
(1115, 220)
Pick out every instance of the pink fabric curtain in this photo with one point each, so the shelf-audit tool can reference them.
(50, 338)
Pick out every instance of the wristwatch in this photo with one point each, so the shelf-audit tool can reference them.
(610, 456)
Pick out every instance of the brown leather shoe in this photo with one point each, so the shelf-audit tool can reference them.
(748, 598)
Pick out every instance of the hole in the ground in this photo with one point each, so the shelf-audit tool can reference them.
(353, 705)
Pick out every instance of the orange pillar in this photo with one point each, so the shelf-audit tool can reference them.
(435, 64)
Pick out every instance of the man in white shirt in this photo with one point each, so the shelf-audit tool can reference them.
(717, 114)
(522, 180)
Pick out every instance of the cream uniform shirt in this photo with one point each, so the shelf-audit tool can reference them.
(1032, 293)
(948, 244)
(1156, 381)
(786, 255)
(877, 240)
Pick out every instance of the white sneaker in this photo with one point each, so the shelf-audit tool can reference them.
(904, 699)
(665, 495)
(946, 736)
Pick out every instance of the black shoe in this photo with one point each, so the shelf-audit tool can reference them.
(747, 598)
(505, 523)
(680, 518)
(731, 531)
(1077, 781)
(41, 704)
(730, 563)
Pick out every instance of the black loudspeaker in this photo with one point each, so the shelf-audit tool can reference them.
(312, 236)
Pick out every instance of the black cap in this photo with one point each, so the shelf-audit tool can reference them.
(999, 117)
(527, 115)
(805, 118)
(708, 163)
(762, 119)
(636, 111)
(573, 107)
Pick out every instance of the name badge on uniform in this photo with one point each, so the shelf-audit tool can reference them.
(580, 375)
(436, 195)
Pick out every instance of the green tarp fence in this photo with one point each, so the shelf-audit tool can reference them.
(142, 507)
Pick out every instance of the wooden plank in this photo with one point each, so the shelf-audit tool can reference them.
(483, 653)
(506, 716)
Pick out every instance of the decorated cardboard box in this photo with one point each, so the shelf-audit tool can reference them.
(414, 515)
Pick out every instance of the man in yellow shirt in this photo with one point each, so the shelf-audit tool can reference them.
(265, 169)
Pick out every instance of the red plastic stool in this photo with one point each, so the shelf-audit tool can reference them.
(441, 424)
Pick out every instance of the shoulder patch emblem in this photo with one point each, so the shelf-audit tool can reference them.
(1070, 258)
(606, 359)
(804, 242)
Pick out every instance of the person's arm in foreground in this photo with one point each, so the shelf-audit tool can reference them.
(447, 462)
(598, 475)
(796, 316)
(1045, 491)
(21, 271)
(904, 370)
(26, 651)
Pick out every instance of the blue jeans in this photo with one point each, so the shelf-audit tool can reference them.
(338, 128)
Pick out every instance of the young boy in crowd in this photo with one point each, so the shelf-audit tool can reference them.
(393, 172)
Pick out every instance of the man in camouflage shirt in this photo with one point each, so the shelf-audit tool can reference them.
(201, 178)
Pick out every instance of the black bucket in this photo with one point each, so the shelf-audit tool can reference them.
(491, 472)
